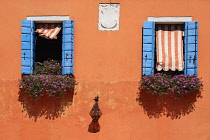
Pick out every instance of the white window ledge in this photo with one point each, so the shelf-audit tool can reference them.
(45, 19)
(169, 19)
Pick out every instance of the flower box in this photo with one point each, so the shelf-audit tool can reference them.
(47, 79)
(162, 84)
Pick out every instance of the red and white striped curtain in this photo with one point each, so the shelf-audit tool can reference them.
(48, 30)
(169, 47)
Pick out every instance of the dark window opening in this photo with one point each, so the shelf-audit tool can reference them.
(48, 49)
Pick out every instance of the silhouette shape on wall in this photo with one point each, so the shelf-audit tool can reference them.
(155, 106)
(49, 108)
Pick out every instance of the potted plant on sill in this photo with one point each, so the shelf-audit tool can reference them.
(162, 84)
(47, 79)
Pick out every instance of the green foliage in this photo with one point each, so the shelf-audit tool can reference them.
(50, 67)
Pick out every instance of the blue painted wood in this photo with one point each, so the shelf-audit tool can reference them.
(28, 46)
(147, 31)
(26, 53)
(191, 63)
(68, 47)
(26, 30)
(26, 69)
(191, 55)
(148, 39)
(26, 37)
(148, 24)
(68, 63)
(148, 63)
(69, 31)
(191, 71)
(147, 55)
(191, 48)
(68, 24)
(148, 48)
(67, 69)
(147, 71)
(26, 23)
(67, 37)
(26, 62)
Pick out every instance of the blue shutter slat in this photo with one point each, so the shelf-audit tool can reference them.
(26, 30)
(26, 38)
(148, 48)
(147, 31)
(192, 40)
(26, 62)
(147, 71)
(191, 55)
(28, 45)
(67, 70)
(26, 70)
(68, 63)
(192, 31)
(26, 23)
(26, 53)
(191, 48)
(148, 39)
(191, 63)
(69, 30)
(68, 47)
(68, 24)
(68, 54)
(148, 24)
(67, 38)
(191, 71)
(148, 55)
(148, 64)
(191, 25)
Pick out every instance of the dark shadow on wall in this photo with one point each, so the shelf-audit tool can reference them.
(50, 108)
(172, 107)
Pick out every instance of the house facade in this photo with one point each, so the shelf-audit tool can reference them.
(108, 46)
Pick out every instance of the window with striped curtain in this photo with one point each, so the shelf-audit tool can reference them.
(48, 30)
(169, 47)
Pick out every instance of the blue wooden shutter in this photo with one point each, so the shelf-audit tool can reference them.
(68, 47)
(28, 46)
(191, 48)
(148, 48)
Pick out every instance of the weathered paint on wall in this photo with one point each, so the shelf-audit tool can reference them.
(108, 64)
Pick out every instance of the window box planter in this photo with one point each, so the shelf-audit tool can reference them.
(47, 80)
(178, 85)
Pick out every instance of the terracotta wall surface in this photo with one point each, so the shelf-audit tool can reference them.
(108, 64)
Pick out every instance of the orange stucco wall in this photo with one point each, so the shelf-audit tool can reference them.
(108, 64)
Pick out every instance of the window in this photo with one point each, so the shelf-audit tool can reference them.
(30, 47)
(169, 58)
(190, 47)
(48, 49)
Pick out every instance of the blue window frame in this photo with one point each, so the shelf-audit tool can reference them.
(190, 48)
(29, 46)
